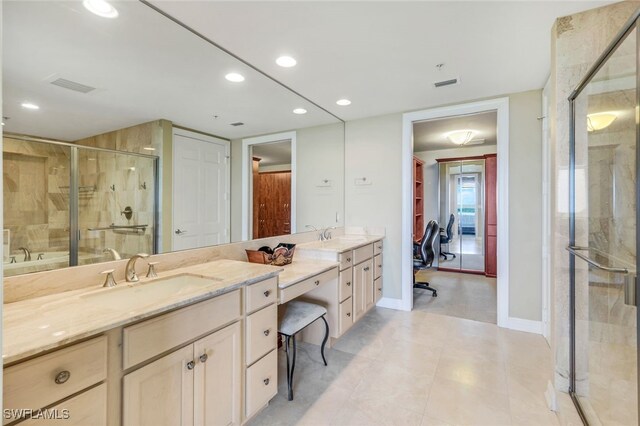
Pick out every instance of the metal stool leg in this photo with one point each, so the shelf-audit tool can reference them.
(326, 337)
(289, 369)
(293, 366)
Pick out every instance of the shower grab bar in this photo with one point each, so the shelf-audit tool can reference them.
(575, 250)
(115, 227)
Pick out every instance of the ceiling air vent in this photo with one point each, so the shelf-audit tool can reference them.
(72, 85)
(446, 82)
(237, 123)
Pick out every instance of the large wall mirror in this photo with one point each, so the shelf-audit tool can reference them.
(133, 134)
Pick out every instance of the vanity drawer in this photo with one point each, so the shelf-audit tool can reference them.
(363, 253)
(377, 266)
(377, 247)
(262, 333)
(346, 284)
(345, 259)
(87, 408)
(345, 313)
(309, 284)
(262, 382)
(377, 289)
(155, 336)
(261, 294)
(44, 380)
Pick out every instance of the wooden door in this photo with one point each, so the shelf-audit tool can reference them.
(256, 197)
(491, 216)
(201, 206)
(275, 201)
(217, 394)
(160, 393)
(363, 279)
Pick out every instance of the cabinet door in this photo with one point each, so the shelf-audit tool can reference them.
(363, 278)
(160, 393)
(217, 392)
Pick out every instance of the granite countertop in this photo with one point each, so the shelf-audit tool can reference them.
(301, 269)
(341, 243)
(40, 324)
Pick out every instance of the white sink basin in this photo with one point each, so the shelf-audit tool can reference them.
(135, 295)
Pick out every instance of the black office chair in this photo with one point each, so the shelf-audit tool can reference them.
(424, 255)
(446, 238)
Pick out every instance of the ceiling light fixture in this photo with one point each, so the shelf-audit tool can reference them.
(299, 111)
(461, 137)
(100, 8)
(29, 105)
(286, 61)
(600, 120)
(234, 77)
(343, 102)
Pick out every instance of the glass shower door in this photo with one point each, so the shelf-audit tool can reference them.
(604, 379)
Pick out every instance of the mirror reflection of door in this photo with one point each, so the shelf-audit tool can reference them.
(271, 187)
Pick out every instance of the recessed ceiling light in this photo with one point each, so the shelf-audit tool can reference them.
(100, 8)
(234, 77)
(149, 148)
(29, 105)
(286, 61)
(343, 102)
(299, 111)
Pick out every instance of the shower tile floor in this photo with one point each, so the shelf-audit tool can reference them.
(420, 368)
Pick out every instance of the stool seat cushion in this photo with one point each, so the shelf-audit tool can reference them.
(297, 315)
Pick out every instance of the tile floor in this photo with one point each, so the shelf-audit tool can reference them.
(419, 368)
(460, 295)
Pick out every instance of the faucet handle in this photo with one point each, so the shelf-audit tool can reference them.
(151, 272)
(109, 280)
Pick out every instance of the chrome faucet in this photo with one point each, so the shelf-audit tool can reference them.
(326, 233)
(114, 253)
(130, 270)
(27, 254)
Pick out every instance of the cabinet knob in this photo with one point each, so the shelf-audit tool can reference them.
(379, 247)
(348, 259)
(379, 266)
(317, 282)
(348, 283)
(190, 365)
(266, 332)
(266, 381)
(366, 269)
(267, 293)
(204, 358)
(62, 377)
(348, 314)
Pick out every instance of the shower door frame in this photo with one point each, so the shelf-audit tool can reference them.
(632, 24)
(74, 210)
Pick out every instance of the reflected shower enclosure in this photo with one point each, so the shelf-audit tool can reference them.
(68, 205)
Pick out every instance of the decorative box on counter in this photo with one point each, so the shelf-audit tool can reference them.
(281, 255)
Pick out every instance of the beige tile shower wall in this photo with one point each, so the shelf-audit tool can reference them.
(111, 182)
(576, 42)
(36, 195)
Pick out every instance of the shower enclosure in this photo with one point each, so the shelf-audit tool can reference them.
(603, 213)
(68, 205)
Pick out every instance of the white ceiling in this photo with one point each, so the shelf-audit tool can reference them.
(273, 154)
(144, 66)
(430, 135)
(383, 55)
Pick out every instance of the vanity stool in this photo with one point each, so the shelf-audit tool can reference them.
(297, 316)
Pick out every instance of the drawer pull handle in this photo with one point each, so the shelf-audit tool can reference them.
(317, 282)
(348, 283)
(348, 314)
(266, 381)
(267, 293)
(267, 332)
(62, 377)
(204, 358)
(191, 365)
(348, 259)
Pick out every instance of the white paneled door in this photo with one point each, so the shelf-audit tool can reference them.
(201, 206)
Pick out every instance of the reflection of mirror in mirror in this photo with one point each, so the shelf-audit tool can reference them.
(123, 135)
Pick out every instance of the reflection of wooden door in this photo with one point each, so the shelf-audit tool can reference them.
(274, 200)
(491, 216)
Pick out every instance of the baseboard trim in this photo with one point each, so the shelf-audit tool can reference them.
(520, 324)
(388, 302)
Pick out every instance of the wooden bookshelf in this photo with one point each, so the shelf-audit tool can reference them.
(418, 194)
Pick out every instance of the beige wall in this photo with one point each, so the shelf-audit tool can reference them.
(373, 150)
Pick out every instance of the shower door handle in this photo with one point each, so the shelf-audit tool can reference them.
(575, 250)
